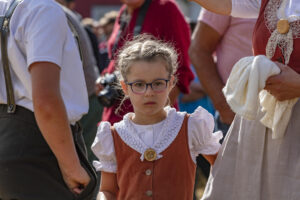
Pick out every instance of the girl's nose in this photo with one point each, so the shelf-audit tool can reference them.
(149, 91)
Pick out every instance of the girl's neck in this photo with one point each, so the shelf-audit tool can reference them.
(143, 119)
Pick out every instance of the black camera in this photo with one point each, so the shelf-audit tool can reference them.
(111, 92)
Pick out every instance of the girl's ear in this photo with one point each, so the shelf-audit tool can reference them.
(124, 87)
(172, 82)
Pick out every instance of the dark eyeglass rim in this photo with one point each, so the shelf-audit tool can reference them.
(147, 84)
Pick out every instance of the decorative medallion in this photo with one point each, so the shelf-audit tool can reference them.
(150, 154)
(283, 26)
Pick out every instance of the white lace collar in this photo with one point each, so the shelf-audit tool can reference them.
(171, 129)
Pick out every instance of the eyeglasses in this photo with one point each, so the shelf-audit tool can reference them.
(140, 87)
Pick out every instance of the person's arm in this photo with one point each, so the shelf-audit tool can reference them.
(51, 116)
(201, 51)
(108, 186)
(217, 6)
(284, 86)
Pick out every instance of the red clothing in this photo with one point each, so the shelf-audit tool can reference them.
(170, 177)
(165, 21)
(261, 36)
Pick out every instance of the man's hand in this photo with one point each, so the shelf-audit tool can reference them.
(285, 85)
(76, 179)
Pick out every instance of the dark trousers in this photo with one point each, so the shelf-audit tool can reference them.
(28, 168)
(90, 124)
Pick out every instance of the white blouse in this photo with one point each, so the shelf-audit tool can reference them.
(250, 8)
(157, 136)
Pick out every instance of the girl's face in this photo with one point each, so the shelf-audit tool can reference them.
(148, 103)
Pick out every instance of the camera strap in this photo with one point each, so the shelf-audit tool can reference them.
(138, 24)
(4, 31)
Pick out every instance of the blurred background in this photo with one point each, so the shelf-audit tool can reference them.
(97, 8)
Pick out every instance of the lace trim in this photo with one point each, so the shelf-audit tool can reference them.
(283, 41)
(172, 126)
(271, 18)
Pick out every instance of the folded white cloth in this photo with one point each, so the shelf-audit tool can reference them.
(244, 91)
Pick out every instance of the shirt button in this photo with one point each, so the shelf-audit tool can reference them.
(148, 172)
(149, 193)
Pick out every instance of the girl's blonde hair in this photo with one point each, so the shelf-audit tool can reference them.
(146, 48)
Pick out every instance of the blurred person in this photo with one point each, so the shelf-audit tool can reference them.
(218, 42)
(196, 97)
(106, 24)
(259, 165)
(162, 19)
(89, 25)
(42, 153)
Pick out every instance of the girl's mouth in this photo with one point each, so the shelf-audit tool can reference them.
(149, 103)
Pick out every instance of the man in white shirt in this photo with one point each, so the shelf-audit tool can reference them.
(39, 159)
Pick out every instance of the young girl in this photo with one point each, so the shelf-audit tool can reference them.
(151, 153)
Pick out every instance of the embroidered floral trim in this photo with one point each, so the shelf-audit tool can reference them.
(172, 126)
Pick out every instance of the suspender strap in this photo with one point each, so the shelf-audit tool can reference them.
(4, 25)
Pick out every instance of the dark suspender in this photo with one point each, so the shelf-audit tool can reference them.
(4, 25)
(138, 24)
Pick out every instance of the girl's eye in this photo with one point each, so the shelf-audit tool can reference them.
(139, 84)
(158, 83)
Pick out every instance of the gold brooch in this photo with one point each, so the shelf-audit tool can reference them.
(150, 154)
(283, 26)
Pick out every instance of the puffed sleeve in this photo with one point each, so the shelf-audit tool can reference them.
(202, 140)
(103, 148)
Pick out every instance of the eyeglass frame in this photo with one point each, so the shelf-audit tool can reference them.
(148, 84)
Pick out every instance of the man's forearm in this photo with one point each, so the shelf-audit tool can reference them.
(52, 120)
(218, 6)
